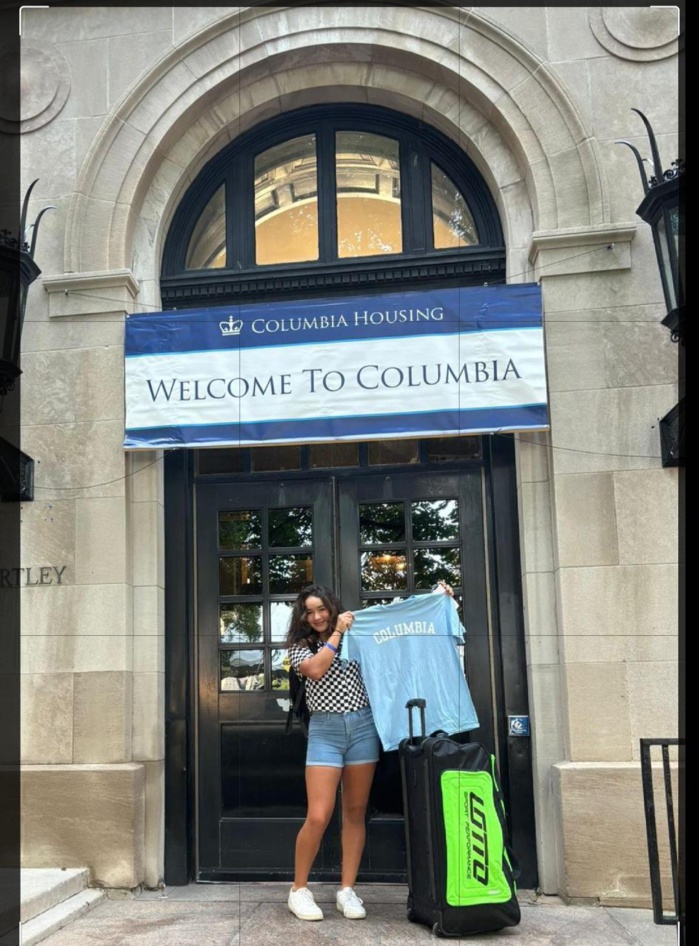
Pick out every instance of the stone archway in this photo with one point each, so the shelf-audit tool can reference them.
(470, 79)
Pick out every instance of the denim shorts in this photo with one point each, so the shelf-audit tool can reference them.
(339, 739)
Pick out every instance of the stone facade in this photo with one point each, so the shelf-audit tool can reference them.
(125, 106)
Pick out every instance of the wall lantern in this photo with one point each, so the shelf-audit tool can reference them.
(17, 272)
(660, 208)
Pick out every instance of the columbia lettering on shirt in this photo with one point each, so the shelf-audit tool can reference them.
(408, 650)
(339, 690)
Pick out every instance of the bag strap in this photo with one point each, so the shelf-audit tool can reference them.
(296, 704)
(313, 646)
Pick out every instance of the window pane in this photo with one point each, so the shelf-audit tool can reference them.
(240, 623)
(432, 565)
(221, 461)
(240, 529)
(392, 451)
(444, 449)
(242, 670)
(368, 195)
(384, 571)
(291, 527)
(452, 222)
(240, 576)
(276, 458)
(289, 573)
(436, 521)
(286, 203)
(280, 669)
(280, 616)
(334, 454)
(207, 245)
(381, 523)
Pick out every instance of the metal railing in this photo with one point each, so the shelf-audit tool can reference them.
(668, 803)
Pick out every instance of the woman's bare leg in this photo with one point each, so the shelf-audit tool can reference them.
(356, 785)
(321, 790)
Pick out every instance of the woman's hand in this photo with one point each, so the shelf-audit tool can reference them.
(448, 590)
(344, 621)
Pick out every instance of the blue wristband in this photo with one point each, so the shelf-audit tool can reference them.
(333, 649)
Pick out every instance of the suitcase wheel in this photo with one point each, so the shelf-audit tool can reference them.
(437, 932)
(411, 915)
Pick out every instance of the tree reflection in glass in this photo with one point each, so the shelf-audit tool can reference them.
(240, 576)
(289, 573)
(240, 623)
(291, 528)
(240, 529)
(381, 523)
(433, 565)
(452, 221)
(436, 521)
(384, 571)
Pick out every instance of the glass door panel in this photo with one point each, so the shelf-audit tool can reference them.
(425, 527)
(258, 545)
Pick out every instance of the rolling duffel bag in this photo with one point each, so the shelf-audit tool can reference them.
(461, 870)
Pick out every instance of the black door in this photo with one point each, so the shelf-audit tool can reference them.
(373, 538)
(399, 534)
(258, 545)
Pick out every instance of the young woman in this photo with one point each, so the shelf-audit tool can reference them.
(343, 745)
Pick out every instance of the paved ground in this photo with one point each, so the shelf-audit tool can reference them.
(257, 915)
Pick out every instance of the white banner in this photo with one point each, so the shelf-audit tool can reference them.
(403, 365)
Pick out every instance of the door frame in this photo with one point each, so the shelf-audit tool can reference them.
(506, 617)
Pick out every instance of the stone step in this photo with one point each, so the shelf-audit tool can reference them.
(43, 888)
(59, 915)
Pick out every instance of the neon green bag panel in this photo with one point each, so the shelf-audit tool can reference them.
(475, 844)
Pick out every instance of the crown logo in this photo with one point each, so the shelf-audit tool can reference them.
(230, 327)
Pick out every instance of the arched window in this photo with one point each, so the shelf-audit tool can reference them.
(330, 198)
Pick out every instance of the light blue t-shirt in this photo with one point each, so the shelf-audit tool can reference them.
(408, 650)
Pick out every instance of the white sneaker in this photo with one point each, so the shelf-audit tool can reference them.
(302, 904)
(349, 904)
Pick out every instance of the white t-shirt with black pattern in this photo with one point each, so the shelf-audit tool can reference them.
(340, 689)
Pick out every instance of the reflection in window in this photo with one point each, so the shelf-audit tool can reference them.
(381, 523)
(334, 454)
(289, 573)
(452, 222)
(436, 520)
(447, 449)
(242, 670)
(433, 565)
(240, 576)
(276, 458)
(280, 617)
(291, 527)
(286, 203)
(280, 669)
(240, 623)
(392, 451)
(240, 529)
(384, 571)
(368, 195)
(207, 245)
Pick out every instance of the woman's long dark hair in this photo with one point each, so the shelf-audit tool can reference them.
(299, 629)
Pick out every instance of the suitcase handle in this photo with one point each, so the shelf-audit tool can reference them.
(419, 704)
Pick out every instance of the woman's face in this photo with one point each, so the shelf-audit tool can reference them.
(317, 614)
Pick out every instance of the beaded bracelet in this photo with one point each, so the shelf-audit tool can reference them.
(333, 649)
